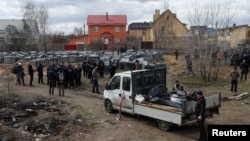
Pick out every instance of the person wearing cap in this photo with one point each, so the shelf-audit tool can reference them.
(244, 69)
(200, 115)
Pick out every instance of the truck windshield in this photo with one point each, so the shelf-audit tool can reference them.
(115, 83)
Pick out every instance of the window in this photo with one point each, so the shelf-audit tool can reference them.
(117, 40)
(126, 84)
(248, 34)
(95, 29)
(117, 28)
(115, 83)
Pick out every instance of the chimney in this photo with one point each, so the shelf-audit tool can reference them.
(107, 16)
(156, 15)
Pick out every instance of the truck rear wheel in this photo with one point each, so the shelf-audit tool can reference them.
(108, 106)
(164, 125)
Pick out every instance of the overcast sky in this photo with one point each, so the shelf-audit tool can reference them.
(65, 15)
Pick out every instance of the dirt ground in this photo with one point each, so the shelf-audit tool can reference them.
(30, 113)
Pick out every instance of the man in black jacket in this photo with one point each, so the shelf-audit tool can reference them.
(244, 69)
(31, 73)
(200, 108)
(40, 73)
(52, 76)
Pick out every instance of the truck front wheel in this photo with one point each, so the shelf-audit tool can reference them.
(164, 125)
(108, 106)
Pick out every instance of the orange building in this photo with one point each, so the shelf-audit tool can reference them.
(109, 30)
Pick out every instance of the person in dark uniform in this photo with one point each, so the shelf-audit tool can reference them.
(200, 115)
(101, 68)
(113, 69)
(31, 73)
(176, 54)
(40, 73)
(48, 69)
(52, 77)
(234, 80)
(71, 76)
(84, 69)
(78, 74)
(244, 70)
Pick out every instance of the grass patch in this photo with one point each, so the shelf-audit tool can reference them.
(198, 80)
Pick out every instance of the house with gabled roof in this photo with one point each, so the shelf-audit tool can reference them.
(166, 31)
(135, 33)
(106, 29)
(18, 34)
(235, 36)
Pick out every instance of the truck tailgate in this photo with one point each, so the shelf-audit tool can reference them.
(212, 102)
(161, 112)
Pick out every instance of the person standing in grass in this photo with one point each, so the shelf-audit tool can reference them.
(234, 80)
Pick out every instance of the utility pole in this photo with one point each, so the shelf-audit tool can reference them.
(84, 37)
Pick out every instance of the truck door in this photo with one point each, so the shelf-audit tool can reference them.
(126, 89)
(115, 91)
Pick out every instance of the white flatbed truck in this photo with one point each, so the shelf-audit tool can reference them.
(131, 83)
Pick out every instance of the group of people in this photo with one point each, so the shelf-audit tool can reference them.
(63, 76)
(18, 70)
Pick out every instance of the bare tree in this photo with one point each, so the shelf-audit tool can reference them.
(78, 31)
(31, 32)
(216, 15)
(43, 17)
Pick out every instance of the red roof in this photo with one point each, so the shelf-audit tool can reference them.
(107, 20)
